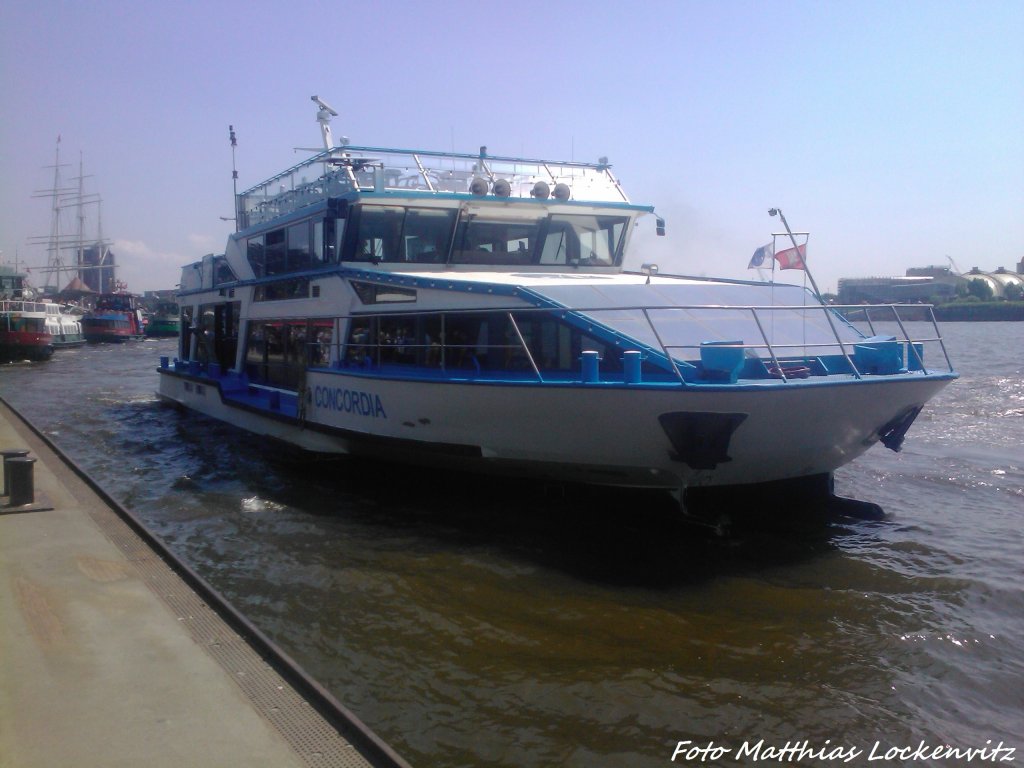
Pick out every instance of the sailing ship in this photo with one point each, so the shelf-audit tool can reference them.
(78, 264)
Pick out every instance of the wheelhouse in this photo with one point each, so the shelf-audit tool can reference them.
(394, 210)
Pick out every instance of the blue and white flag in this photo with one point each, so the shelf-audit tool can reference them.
(766, 251)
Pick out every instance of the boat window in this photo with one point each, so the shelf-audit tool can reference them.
(305, 245)
(319, 256)
(372, 293)
(379, 236)
(496, 241)
(26, 324)
(580, 239)
(222, 272)
(115, 302)
(217, 333)
(275, 253)
(333, 239)
(556, 346)
(426, 234)
(483, 342)
(254, 252)
(299, 242)
(392, 233)
(255, 350)
(278, 352)
(185, 339)
(282, 290)
(205, 333)
(274, 337)
(317, 246)
(321, 337)
(475, 341)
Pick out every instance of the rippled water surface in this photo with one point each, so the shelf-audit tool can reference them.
(472, 622)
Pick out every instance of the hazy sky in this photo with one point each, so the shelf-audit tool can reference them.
(892, 131)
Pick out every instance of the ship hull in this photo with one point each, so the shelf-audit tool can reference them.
(667, 438)
(25, 345)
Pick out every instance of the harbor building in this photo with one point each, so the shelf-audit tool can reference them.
(97, 268)
(920, 284)
(932, 284)
(999, 281)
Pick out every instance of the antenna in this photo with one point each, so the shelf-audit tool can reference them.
(324, 118)
(234, 172)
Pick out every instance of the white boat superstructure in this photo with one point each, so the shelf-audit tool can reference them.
(64, 327)
(472, 311)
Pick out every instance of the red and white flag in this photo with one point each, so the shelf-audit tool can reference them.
(792, 258)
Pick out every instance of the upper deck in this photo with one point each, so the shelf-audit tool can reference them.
(23, 307)
(350, 169)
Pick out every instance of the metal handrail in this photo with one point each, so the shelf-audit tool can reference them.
(645, 310)
(771, 352)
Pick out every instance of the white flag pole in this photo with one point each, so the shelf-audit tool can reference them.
(828, 312)
(803, 258)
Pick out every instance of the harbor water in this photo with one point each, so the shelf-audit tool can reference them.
(478, 622)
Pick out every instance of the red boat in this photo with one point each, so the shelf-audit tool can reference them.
(116, 318)
(23, 334)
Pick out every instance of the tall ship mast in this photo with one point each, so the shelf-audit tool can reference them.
(73, 258)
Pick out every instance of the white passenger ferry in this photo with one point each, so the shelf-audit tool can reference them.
(472, 311)
(64, 327)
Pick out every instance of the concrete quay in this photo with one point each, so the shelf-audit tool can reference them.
(114, 653)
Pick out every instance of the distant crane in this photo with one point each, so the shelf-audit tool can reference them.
(956, 269)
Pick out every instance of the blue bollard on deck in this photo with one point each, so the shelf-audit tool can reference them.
(590, 366)
(631, 360)
(915, 362)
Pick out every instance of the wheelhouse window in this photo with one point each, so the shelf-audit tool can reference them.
(585, 240)
(426, 234)
(487, 237)
(480, 240)
(396, 234)
(379, 235)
